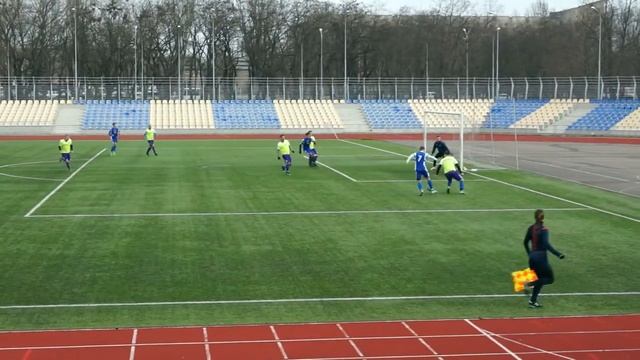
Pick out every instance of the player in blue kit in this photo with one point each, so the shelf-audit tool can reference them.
(420, 158)
(113, 134)
(308, 145)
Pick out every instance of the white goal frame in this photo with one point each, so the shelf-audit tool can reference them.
(461, 122)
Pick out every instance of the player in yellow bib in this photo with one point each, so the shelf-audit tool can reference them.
(283, 150)
(451, 170)
(150, 136)
(65, 146)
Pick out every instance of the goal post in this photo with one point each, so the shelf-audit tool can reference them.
(446, 119)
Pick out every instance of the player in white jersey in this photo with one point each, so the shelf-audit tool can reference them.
(420, 159)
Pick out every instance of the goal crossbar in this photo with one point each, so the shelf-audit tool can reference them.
(461, 122)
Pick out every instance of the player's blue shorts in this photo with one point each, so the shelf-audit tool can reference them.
(286, 158)
(311, 152)
(66, 156)
(150, 142)
(421, 173)
(453, 175)
(114, 139)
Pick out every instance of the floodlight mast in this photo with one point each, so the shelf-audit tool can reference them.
(599, 51)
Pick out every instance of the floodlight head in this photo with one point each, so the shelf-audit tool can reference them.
(498, 28)
(320, 29)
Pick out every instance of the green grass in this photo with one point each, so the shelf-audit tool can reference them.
(190, 258)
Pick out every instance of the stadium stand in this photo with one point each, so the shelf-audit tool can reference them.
(181, 114)
(385, 114)
(245, 114)
(128, 114)
(28, 112)
(474, 111)
(631, 122)
(307, 114)
(606, 115)
(503, 114)
(548, 114)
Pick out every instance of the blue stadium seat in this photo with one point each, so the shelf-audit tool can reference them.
(606, 115)
(99, 115)
(243, 114)
(503, 115)
(389, 115)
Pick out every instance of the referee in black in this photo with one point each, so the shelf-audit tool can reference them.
(538, 236)
(442, 150)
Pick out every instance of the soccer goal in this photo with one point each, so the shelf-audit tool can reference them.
(447, 125)
(464, 136)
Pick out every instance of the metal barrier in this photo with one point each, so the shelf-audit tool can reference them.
(239, 88)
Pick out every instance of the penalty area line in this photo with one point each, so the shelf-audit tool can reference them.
(49, 195)
(334, 170)
(303, 213)
(520, 187)
(311, 300)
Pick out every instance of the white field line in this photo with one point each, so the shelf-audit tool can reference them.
(528, 346)
(335, 170)
(33, 209)
(353, 344)
(480, 330)
(410, 180)
(134, 338)
(422, 341)
(275, 335)
(207, 351)
(303, 213)
(311, 300)
(28, 177)
(560, 198)
(33, 163)
(524, 188)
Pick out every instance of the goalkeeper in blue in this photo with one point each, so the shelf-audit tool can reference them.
(308, 145)
(451, 171)
(113, 134)
(420, 159)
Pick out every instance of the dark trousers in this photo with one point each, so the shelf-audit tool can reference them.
(539, 263)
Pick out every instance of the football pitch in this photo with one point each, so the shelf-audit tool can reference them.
(213, 232)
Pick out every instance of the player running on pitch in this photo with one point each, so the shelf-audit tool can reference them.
(150, 136)
(113, 134)
(442, 150)
(283, 150)
(538, 236)
(451, 171)
(308, 145)
(421, 157)
(65, 146)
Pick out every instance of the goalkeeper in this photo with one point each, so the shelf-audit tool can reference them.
(308, 144)
(538, 236)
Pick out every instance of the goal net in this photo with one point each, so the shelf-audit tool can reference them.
(464, 135)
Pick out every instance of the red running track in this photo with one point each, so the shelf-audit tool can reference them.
(603, 337)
